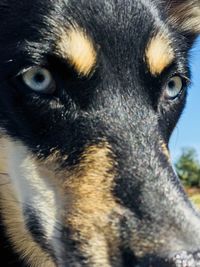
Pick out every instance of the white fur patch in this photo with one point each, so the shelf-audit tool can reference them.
(35, 192)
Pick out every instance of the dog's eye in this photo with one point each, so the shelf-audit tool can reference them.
(39, 79)
(174, 87)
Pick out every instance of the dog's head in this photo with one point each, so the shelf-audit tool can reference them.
(90, 92)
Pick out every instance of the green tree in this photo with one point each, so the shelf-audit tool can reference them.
(188, 168)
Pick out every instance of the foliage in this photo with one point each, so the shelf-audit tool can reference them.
(196, 199)
(188, 168)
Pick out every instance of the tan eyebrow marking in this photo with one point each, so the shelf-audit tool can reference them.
(159, 53)
(78, 48)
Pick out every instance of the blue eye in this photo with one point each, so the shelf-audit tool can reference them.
(174, 87)
(39, 79)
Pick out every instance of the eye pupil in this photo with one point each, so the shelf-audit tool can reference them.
(171, 84)
(39, 78)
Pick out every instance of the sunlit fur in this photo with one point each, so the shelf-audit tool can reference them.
(159, 53)
(185, 15)
(86, 176)
(77, 48)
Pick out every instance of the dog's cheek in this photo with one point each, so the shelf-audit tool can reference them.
(25, 191)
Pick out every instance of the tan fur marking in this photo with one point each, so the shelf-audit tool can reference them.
(165, 150)
(87, 206)
(92, 180)
(11, 211)
(159, 53)
(91, 202)
(77, 47)
(3, 165)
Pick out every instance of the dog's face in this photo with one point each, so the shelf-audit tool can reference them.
(90, 92)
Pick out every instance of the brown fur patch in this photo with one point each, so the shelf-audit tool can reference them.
(91, 203)
(78, 49)
(159, 53)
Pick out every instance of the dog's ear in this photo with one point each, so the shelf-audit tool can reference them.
(185, 15)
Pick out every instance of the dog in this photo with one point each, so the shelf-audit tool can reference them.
(90, 92)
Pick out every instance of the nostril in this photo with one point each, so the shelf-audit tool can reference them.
(186, 259)
(129, 259)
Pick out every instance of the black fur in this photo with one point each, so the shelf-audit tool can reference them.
(121, 102)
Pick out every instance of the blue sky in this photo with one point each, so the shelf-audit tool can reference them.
(187, 132)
